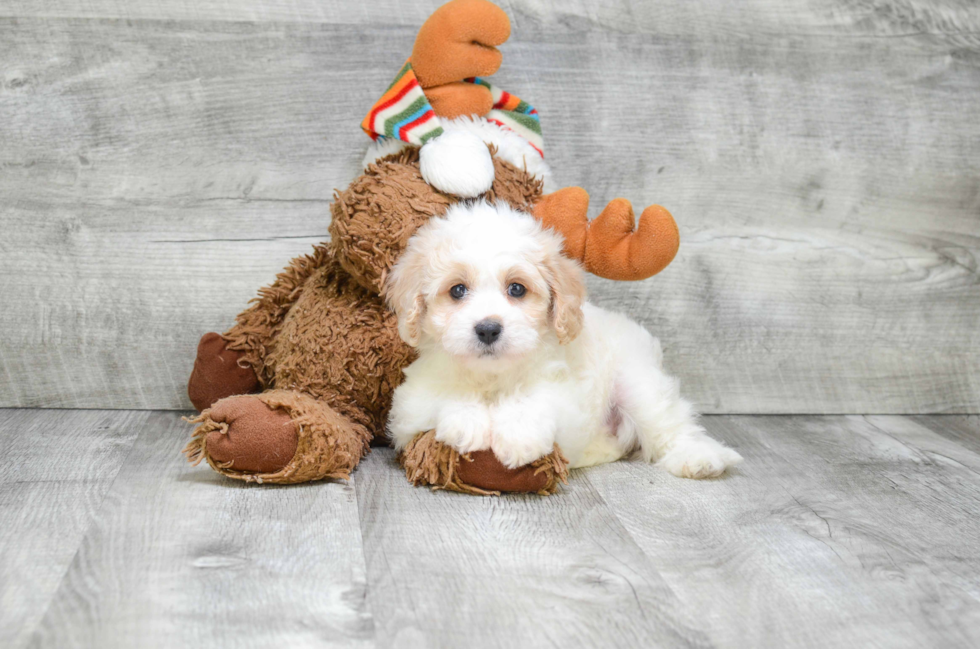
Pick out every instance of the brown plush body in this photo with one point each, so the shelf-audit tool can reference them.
(324, 347)
(299, 388)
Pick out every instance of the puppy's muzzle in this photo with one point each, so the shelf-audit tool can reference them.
(488, 331)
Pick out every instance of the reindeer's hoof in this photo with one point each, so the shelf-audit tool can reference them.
(428, 461)
(217, 374)
(485, 471)
(253, 438)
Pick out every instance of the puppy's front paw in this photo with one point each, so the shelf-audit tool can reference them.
(464, 426)
(699, 458)
(521, 435)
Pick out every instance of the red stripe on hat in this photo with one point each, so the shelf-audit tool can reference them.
(504, 126)
(394, 100)
(504, 98)
(426, 116)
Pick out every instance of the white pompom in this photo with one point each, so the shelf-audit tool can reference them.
(458, 163)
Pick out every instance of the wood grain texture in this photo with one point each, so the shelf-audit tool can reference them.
(181, 557)
(162, 160)
(450, 570)
(857, 531)
(387, 12)
(836, 531)
(962, 429)
(55, 469)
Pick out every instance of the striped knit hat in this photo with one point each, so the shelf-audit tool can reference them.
(403, 113)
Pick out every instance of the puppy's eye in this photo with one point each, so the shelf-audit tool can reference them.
(516, 290)
(457, 292)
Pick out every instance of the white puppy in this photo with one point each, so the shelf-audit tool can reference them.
(511, 359)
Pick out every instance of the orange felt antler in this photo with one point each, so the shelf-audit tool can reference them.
(609, 246)
(458, 41)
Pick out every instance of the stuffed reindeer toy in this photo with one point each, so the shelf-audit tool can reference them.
(299, 388)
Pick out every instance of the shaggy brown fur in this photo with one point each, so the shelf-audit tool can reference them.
(320, 339)
(374, 218)
(257, 326)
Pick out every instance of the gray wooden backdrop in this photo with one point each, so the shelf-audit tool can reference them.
(160, 160)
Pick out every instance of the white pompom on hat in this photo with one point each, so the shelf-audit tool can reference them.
(458, 163)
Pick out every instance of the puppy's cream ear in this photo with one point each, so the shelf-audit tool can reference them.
(410, 325)
(403, 293)
(567, 286)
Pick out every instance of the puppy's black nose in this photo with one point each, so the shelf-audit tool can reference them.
(488, 331)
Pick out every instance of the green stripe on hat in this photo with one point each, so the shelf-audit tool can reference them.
(401, 73)
(526, 121)
(436, 132)
(394, 120)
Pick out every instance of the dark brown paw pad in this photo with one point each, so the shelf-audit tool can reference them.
(243, 435)
(218, 373)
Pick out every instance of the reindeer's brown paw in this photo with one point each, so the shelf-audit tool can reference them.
(482, 469)
(249, 436)
(459, 41)
(430, 462)
(278, 436)
(217, 374)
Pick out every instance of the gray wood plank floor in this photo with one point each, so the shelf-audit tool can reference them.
(160, 160)
(836, 531)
